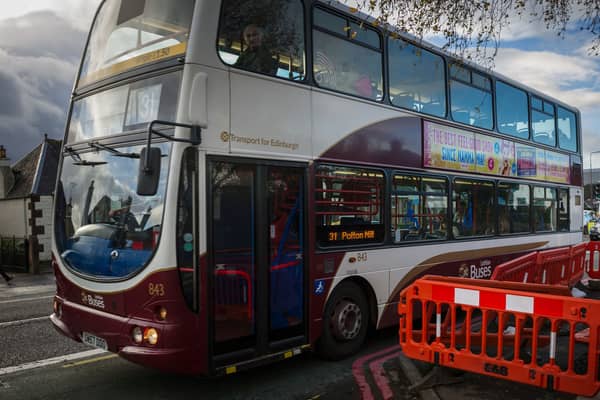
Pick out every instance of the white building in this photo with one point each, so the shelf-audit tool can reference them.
(26, 193)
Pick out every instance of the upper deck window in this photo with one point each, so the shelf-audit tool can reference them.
(543, 121)
(470, 97)
(512, 111)
(348, 56)
(417, 78)
(128, 34)
(263, 37)
(567, 129)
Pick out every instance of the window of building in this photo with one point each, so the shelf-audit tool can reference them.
(512, 110)
(419, 208)
(470, 97)
(567, 129)
(349, 205)
(417, 78)
(263, 37)
(347, 57)
(473, 211)
(514, 212)
(542, 121)
(544, 209)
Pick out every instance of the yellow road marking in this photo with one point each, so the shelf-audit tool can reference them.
(92, 360)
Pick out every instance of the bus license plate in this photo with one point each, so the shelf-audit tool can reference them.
(94, 341)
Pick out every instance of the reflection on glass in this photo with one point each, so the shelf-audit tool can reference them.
(419, 208)
(512, 110)
(544, 209)
(125, 30)
(344, 66)
(125, 108)
(233, 190)
(263, 37)
(471, 105)
(103, 228)
(473, 211)
(417, 78)
(567, 129)
(513, 208)
(543, 122)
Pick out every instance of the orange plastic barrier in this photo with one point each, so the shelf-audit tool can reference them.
(561, 266)
(520, 332)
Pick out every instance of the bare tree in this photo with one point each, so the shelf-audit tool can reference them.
(473, 29)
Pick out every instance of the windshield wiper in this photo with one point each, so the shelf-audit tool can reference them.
(116, 153)
(79, 161)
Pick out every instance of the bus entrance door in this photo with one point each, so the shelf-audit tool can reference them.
(257, 260)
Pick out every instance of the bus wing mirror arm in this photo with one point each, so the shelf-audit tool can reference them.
(150, 158)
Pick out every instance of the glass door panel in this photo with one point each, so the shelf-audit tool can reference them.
(233, 228)
(286, 257)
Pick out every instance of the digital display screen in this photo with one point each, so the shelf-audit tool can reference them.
(339, 235)
(351, 235)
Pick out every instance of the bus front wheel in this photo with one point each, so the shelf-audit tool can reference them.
(345, 322)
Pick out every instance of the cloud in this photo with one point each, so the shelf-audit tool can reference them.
(39, 54)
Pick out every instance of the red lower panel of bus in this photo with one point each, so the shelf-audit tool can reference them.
(104, 320)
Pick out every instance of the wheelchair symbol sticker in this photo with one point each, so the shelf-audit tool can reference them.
(319, 286)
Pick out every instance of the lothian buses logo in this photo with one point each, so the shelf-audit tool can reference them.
(225, 136)
(92, 300)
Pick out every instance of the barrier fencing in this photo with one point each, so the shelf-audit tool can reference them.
(522, 325)
(561, 266)
(530, 333)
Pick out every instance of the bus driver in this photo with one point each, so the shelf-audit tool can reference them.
(256, 56)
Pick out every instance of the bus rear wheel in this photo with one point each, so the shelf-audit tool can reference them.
(345, 323)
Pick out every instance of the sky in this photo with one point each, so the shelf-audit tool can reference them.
(41, 43)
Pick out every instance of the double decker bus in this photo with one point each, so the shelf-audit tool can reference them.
(243, 181)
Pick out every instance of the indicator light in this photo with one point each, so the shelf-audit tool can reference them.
(151, 336)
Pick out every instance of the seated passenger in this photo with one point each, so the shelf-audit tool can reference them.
(256, 56)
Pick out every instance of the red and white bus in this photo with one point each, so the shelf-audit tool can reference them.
(243, 181)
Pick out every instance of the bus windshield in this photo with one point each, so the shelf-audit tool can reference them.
(125, 108)
(102, 227)
(128, 34)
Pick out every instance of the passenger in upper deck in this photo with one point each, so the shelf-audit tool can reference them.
(256, 56)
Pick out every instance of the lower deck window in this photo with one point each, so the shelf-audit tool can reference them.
(473, 212)
(513, 208)
(419, 208)
(544, 209)
(349, 205)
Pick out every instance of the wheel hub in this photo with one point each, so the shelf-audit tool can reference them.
(347, 320)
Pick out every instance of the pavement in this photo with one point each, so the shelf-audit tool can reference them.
(25, 284)
(386, 374)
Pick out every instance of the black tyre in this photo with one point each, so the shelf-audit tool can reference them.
(345, 322)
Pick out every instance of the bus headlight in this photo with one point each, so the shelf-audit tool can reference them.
(151, 336)
(137, 335)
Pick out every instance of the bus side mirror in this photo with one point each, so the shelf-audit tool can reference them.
(149, 171)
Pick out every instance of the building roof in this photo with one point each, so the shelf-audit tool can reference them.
(35, 174)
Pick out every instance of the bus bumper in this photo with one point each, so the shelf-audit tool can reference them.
(116, 330)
